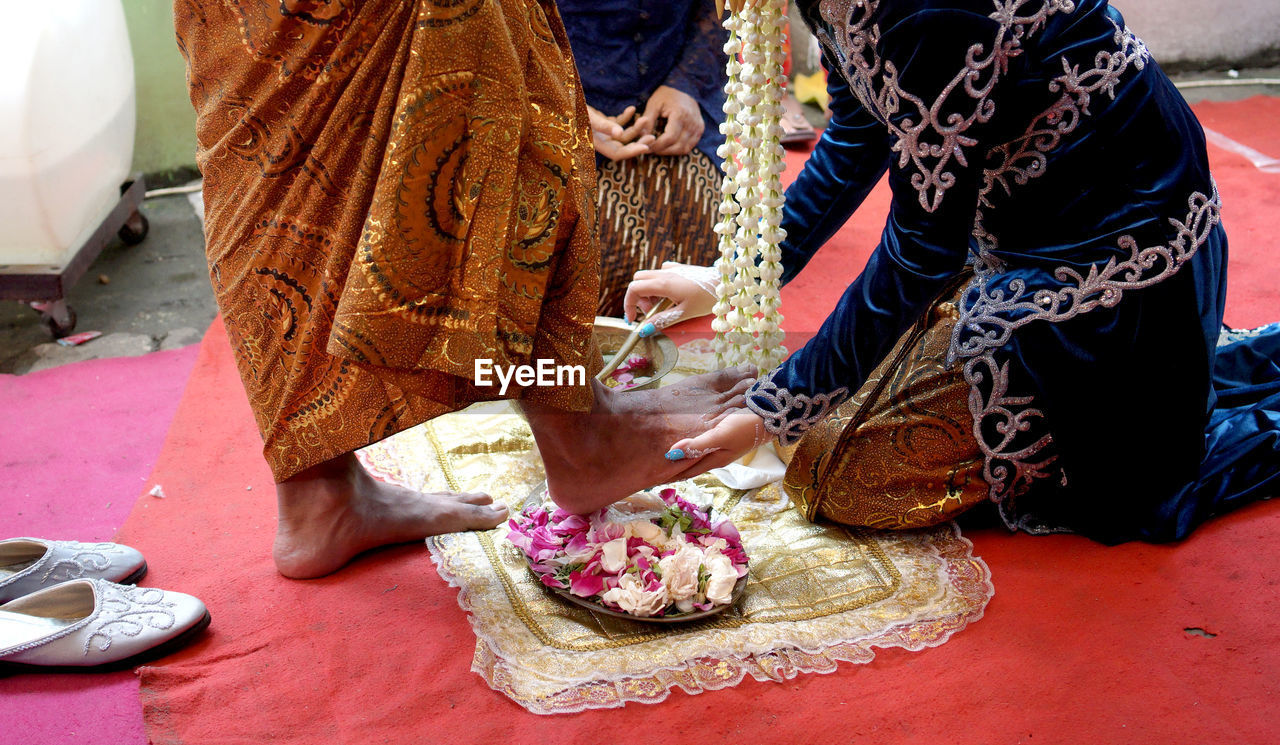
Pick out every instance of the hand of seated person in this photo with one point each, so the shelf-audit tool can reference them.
(691, 290)
(612, 140)
(674, 117)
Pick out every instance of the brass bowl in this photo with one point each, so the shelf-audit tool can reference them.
(610, 333)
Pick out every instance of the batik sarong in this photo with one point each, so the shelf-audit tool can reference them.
(393, 190)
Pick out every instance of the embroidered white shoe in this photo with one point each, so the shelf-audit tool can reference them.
(30, 564)
(92, 624)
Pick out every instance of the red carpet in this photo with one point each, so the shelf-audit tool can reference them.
(1081, 644)
(77, 444)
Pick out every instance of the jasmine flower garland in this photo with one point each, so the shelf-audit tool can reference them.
(747, 318)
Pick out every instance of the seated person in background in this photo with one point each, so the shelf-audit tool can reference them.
(654, 81)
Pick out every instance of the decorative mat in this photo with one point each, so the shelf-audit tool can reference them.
(817, 594)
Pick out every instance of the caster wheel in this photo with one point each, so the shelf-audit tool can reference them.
(60, 328)
(135, 229)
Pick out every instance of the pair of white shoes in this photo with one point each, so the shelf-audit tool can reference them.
(66, 605)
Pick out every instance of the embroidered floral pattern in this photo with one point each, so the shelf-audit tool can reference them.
(928, 134)
(127, 611)
(1025, 158)
(788, 415)
(991, 311)
(85, 559)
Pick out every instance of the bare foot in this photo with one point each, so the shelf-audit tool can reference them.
(331, 512)
(597, 458)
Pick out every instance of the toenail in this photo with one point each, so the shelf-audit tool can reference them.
(674, 454)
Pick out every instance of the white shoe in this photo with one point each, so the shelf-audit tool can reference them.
(94, 624)
(30, 564)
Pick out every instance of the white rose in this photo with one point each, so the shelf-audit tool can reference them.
(680, 572)
(631, 596)
(723, 577)
(613, 555)
(647, 532)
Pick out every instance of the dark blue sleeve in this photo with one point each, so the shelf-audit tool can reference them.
(935, 176)
(846, 164)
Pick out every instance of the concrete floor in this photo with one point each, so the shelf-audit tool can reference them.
(156, 295)
(143, 298)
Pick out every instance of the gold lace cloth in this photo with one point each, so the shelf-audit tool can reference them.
(817, 594)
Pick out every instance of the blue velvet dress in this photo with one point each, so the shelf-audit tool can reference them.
(1037, 145)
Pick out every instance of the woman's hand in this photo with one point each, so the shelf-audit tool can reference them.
(735, 433)
(613, 140)
(690, 289)
(683, 121)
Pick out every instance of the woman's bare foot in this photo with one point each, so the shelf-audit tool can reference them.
(331, 512)
(597, 458)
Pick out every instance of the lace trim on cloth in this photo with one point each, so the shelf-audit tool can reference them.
(931, 133)
(817, 594)
(788, 415)
(1227, 336)
(712, 658)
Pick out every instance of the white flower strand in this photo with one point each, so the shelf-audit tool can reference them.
(747, 321)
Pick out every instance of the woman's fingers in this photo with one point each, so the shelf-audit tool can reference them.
(641, 295)
(734, 435)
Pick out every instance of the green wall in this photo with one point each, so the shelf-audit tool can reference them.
(165, 145)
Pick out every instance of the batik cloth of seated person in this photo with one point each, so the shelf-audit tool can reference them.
(393, 191)
(1038, 145)
(652, 208)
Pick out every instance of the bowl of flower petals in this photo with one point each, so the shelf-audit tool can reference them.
(648, 361)
(650, 557)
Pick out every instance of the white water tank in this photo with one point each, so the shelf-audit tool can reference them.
(67, 121)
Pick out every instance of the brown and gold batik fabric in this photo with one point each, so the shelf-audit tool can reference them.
(652, 209)
(393, 189)
(900, 453)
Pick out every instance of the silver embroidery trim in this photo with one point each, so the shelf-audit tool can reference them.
(929, 135)
(792, 414)
(1026, 157)
(1019, 451)
(985, 311)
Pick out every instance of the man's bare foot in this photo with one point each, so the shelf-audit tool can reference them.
(597, 458)
(333, 511)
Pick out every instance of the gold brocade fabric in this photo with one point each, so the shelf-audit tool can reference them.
(392, 191)
(900, 453)
(817, 594)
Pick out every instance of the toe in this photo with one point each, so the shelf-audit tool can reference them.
(472, 497)
(483, 517)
